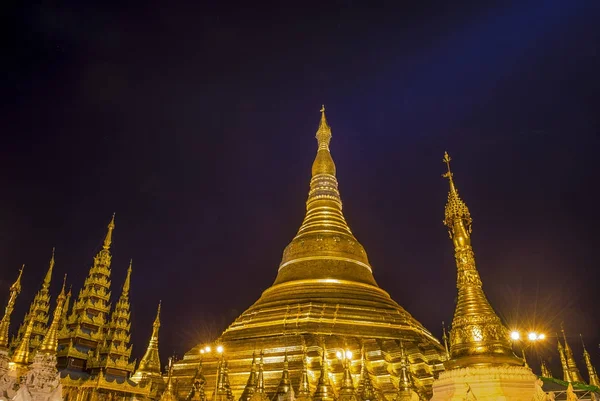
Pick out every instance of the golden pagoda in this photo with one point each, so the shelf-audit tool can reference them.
(592, 374)
(112, 356)
(148, 370)
(38, 316)
(84, 329)
(324, 299)
(573, 371)
(15, 290)
(482, 363)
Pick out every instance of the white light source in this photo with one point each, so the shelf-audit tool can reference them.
(515, 335)
(541, 336)
(338, 354)
(532, 336)
(202, 351)
(348, 354)
(220, 349)
(207, 348)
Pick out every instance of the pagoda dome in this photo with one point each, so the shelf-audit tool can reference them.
(324, 300)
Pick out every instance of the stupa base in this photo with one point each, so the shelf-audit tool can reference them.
(485, 383)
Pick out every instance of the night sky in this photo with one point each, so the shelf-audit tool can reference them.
(195, 123)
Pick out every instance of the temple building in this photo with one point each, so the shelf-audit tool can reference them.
(323, 331)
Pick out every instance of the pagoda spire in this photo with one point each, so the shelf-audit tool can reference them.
(366, 390)
(563, 361)
(324, 390)
(304, 386)
(545, 372)
(593, 375)
(284, 383)
(445, 339)
(347, 390)
(108, 238)
(260, 380)
(116, 342)
(169, 393)
(15, 290)
(251, 383)
(22, 354)
(50, 342)
(149, 366)
(477, 336)
(38, 312)
(324, 235)
(574, 373)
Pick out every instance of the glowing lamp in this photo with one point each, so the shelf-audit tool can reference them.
(515, 335)
(348, 354)
(541, 336)
(532, 336)
(220, 349)
(207, 348)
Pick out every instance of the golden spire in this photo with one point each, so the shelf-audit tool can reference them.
(477, 336)
(127, 282)
(150, 362)
(48, 278)
(347, 390)
(324, 238)
(524, 358)
(324, 390)
(63, 320)
(284, 383)
(21, 355)
(571, 364)
(563, 361)
(169, 393)
(304, 386)
(367, 391)
(545, 372)
(252, 380)
(15, 289)
(594, 381)
(50, 343)
(108, 238)
(260, 381)
(445, 338)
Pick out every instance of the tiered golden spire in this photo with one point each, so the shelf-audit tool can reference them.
(593, 375)
(545, 372)
(285, 384)
(169, 393)
(347, 390)
(50, 342)
(324, 390)
(38, 312)
(150, 362)
(116, 343)
(563, 361)
(574, 373)
(365, 386)
(15, 289)
(304, 386)
(477, 335)
(252, 380)
(324, 236)
(260, 380)
(21, 355)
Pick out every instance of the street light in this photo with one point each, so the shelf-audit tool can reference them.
(515, 335)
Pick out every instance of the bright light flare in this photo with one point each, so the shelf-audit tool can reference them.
(542, 336)
(207, 348)
(220, 349)
(348, 354)
(532, 336)
(515, 335)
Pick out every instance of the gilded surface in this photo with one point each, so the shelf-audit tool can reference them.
(149, 367)
(477, 335)
(324, 297)
(573, 371)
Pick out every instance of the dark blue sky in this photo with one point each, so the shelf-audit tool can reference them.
(195, 124)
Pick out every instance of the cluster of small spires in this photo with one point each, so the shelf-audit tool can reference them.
(112, 335)
(324, 391)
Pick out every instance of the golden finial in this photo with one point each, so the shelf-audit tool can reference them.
(447, 160)
(17, 284)
(62, 291)
(445, 338)
(593, 375)
(108, 238)
(323, 132)
(157, 319)
(15, 290)
(127, 283)
(456, 209)
(48, 277)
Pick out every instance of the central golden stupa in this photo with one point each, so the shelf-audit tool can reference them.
(323, 303)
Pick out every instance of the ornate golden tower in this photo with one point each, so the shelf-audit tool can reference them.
(477, 335)
(545, 372)
(324, 291)
(15, 290)
(115, 351)
(85, 327)
(149, 367)
(482, 363)
(38, 312)
(50, 342)
(593, 375)
(563, 361)
(574, 373)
